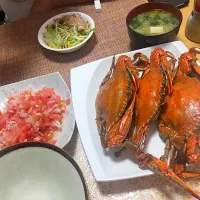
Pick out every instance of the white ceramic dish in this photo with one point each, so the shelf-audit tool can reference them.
(104, 165)
(55, 81)
(71, 49)
(39, 171)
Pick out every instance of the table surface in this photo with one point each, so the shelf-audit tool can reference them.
(22, 57)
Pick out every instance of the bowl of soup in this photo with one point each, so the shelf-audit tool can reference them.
(152, 24)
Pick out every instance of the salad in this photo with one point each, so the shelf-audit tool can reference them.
(31, 116)
(67, 31)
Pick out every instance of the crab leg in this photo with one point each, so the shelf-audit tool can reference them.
(169, 66)
(117, 134)
(108, 75)
(180, 168)
(139, 138)
(159, 167)
(180, 161)
(172, 157)
(169, 86)
(132, 70)
(165, 157)
(167, 132)
(192, 151)
(193, 148)
(101, 128)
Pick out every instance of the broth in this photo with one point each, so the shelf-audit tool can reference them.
(154, 23)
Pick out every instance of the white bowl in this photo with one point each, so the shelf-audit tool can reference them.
(71, 49)
(56, 82)
(39, 171)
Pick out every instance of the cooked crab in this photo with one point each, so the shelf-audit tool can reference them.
(115, 102)
(179, 120)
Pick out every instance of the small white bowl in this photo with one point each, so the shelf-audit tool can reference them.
(71, 49)
(56, 82)
(39, 171)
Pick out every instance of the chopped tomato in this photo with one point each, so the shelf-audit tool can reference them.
(2, 121)
(52, 142)
(32, 116)
(47, 92)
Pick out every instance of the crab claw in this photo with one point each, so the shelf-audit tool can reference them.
(195, 66)
(142, 63)
(188, 61)
(140, 59)
(159, 167)
(158, 58)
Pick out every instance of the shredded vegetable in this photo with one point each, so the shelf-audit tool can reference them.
(32, 116)
(66, 32)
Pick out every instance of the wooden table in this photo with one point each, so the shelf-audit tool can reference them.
(22, 57)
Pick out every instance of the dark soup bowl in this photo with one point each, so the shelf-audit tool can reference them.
(139, 40)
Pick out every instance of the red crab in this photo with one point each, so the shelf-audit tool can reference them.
(152, 91)
(115, 102)
(179, 120)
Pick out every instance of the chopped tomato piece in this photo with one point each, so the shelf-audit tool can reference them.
(32, 116)
(52, 142)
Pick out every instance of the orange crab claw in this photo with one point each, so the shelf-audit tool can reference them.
(142, 62)
(159, 167)
(187, 61)
(195, 66)
(159, 56)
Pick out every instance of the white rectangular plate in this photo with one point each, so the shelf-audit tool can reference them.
(54, 81)
(85, 82)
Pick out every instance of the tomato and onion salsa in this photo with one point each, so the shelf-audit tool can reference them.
(32, 116)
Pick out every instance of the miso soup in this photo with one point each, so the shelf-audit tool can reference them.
(154, 23)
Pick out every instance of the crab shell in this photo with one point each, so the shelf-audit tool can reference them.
(179, 119)
(114, 104)
(180, 116)
(181, 112)
(151, 93)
